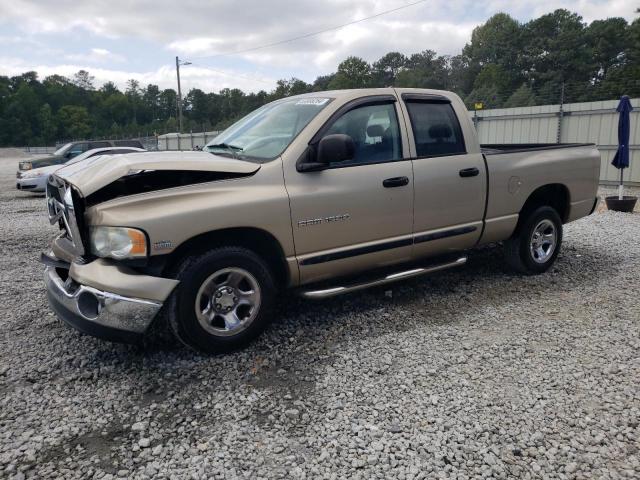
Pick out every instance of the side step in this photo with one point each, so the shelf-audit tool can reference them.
(393, 277)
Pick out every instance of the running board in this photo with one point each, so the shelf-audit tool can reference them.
(394, 277)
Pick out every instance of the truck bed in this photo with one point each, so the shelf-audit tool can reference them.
(500, 148)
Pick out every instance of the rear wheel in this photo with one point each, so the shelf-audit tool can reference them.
(536, 243)
(224, 300)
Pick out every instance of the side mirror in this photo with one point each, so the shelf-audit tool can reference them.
(332, 148)
(335, 148)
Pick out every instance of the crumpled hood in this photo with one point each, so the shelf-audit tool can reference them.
(94, 173)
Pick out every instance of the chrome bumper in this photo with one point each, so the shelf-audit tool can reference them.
(98, 313)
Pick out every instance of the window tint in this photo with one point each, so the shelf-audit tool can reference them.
(77, 149)
(93, 145)
(375, 132)
(436, 129)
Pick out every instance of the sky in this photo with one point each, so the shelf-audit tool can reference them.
(116, 40)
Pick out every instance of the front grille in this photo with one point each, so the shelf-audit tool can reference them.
(62, 210)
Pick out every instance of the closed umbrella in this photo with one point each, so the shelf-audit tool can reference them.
(621, 158)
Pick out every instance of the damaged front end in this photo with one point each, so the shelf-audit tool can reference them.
(120, 217)
(96, 296)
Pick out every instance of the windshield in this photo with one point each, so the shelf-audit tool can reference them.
(63, 149)
(266, 132)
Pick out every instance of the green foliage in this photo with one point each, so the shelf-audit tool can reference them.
(353, 72)
(522, 97)
(74, 121)
(505, 64)
(46, 124)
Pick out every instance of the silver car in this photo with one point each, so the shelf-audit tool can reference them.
(35, 180)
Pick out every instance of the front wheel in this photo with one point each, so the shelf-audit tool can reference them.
(224, 300)
(536, 243)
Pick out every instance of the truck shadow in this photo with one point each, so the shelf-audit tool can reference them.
(484, 281)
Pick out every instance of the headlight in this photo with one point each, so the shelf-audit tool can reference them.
(32, 174)
(118, 242)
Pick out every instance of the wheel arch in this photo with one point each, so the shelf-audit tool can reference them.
(259, 241)
(555, 195)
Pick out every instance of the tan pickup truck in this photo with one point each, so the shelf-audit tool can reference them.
(325, 193)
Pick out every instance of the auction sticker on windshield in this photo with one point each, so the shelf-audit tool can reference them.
(312, 101)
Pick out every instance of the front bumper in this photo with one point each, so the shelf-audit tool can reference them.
(99, 313)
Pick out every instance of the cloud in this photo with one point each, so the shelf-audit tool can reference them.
(160, 29)
(206, 79)
(95, 56)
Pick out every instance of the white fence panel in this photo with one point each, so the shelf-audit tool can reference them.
(589, 122)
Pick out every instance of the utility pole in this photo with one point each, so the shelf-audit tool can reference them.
(178, 63)
(179, 96)
(560, 115)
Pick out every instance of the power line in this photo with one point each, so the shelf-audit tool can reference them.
(222, 72)
(311, 34)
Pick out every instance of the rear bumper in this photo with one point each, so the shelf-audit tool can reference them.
(99, 313)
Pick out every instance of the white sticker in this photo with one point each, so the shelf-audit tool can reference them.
(312, 101)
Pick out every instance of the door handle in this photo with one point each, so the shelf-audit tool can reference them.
(469, 172)
(395, 182)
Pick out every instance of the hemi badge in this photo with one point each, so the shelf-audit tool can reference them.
(162, 245)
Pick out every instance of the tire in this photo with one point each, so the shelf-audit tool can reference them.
(534, 255)
(213, 287)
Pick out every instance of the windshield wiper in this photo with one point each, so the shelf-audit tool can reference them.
(232, 148)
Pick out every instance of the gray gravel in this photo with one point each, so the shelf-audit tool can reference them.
(474, 373)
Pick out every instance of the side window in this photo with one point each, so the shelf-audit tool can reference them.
(76, 149)
(436, 129)
(375, 132)
(93, 145)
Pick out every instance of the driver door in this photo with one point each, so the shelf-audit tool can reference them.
(356, 214)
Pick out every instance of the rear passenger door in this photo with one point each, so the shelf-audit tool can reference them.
(449, 183)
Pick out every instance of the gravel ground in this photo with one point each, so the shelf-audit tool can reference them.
(473, 373)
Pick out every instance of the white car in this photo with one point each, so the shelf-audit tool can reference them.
(36, 180)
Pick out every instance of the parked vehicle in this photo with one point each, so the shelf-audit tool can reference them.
(73, 149)
(327, 193)
(35, 180)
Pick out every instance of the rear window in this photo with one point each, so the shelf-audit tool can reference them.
(436, 129)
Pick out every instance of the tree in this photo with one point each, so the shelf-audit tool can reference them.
(608, 40)
(522, 97)
(133, 95)
(74, 122)
(499, 42)
(353, 72)
(387, 68)
(83, 80)
(556, 49)
(286, 88)
(424, 70)
(322, 82)
(47, 125)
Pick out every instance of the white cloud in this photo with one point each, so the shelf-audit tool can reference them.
(196, 28)
(165, 76)
(96, 56)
